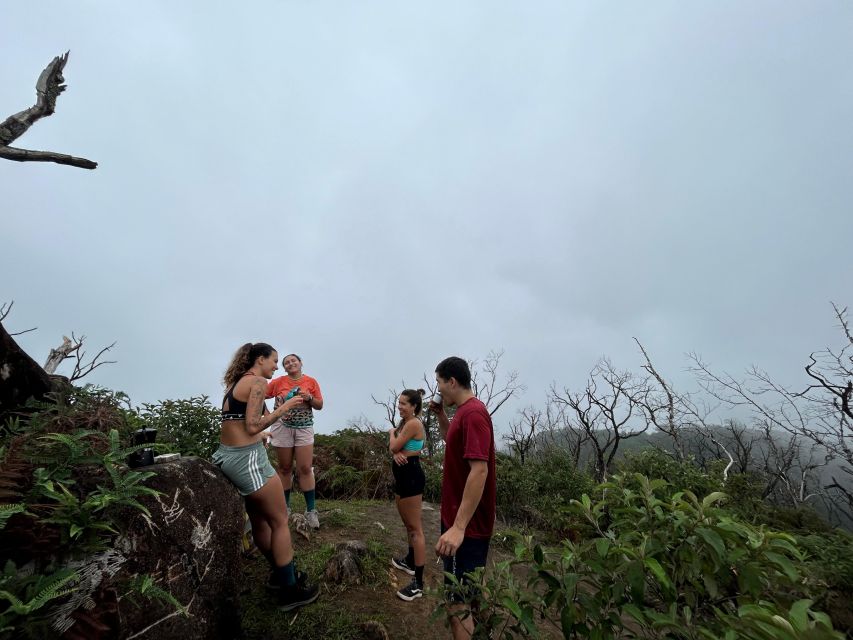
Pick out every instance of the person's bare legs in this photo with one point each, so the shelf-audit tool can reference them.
(268, 503)
(261, 531)
(410, 512)
(284, 456)
(304, 463)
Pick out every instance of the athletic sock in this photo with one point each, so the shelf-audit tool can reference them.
(287, 498)
(309, 499)
(419, 576)
(410, 557)
(286, 575)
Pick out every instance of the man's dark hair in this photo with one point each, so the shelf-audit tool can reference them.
(454, 367)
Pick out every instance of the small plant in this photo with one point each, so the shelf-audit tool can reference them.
(145, 586)
(25, 597)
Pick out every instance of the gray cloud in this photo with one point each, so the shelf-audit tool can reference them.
(378, 185)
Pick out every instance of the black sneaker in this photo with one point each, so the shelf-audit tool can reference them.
(297, 595)
(402, 565)
(410, 592)
(272, 585)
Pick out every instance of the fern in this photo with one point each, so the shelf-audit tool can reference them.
(144, 585)
(8, 510)
(27, 594)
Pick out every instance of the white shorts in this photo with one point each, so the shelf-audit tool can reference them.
(287, 437)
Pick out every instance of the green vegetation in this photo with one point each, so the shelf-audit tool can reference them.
(66, 491)
(190, 427)
(661, 563)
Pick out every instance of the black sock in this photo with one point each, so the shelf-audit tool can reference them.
(410, 557)
(419, 576)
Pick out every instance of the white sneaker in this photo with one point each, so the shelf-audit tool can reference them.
(313, 519)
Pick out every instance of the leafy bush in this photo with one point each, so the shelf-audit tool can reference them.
(539, 492)
(433, 472)
(190, 427)
(662, 564)
(686, 474)
(352, 463)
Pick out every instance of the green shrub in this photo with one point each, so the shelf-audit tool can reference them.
(686, 474)
(433, 472)
(539, 492)
(190, 427)
(662, 564)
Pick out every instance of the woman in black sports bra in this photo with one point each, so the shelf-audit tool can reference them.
(243, 459)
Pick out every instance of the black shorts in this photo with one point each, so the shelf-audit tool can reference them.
(472, 553)
(409, 478)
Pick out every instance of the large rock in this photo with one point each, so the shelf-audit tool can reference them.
(21, 378)
(189, 547)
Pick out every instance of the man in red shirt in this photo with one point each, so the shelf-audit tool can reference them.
(468, 487)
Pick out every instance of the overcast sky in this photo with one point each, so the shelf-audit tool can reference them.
(377, 185)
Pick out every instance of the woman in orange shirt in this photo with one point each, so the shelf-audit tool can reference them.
(293, 435)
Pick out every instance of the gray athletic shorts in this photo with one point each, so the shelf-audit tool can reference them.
(248, 467)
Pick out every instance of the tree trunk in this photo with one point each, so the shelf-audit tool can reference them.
(21, 378)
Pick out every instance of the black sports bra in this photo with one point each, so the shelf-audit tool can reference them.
(236, 408)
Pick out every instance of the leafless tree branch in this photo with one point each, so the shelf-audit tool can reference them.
(607, 415)
(73, 348)
(5, 310)
(48, 87)
(486, 386)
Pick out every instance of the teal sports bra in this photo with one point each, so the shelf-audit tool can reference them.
(413, 445)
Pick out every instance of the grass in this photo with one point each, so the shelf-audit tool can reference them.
(326, 619)
(337, 614)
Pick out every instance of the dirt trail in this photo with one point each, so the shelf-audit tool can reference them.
(339, 611)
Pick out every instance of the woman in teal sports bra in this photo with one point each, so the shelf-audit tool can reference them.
(405, 444)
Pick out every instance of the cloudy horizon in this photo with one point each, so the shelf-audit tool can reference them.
(375, 186)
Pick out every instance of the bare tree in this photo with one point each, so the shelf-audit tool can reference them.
(389, 405)
(790, 475)
(663, 406)
(5, 310)
(49, 86)
(523, 431)
(487, 384)
(560, 433)
(73, 348)
(608, 411)
(821, 413)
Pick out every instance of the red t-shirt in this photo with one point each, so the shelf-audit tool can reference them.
(470, 437)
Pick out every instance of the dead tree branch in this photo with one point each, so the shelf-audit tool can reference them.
(49, 86)
(73, 347)
(485, 384)
(608, 411)
(5, 309)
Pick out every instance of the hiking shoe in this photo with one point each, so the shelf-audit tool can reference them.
(313, 519)
(402, 565)
(297, 595)
(272, 585)
(410, 592)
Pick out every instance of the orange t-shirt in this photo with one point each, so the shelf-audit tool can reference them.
(300, 417)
